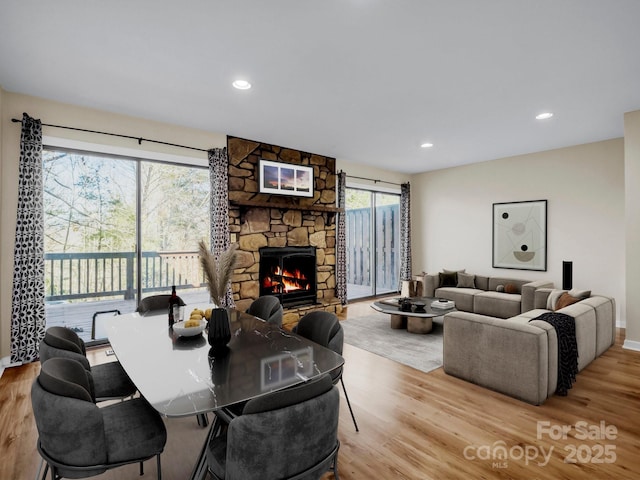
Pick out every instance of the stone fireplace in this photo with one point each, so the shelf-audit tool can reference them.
(261, 222)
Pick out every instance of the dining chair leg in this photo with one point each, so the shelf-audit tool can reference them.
(203, 419)
(44, 473)
(335, 467)
(201, 470)
(37, 477)
(349, 404)
(159, 468)
(141, 469)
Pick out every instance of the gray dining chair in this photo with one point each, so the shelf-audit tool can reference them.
(154, 303)
(303, 417)
(324, 329)
(78, 439)
(97, 316)
(268, 308)
(108, 380)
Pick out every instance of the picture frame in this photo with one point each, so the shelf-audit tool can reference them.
(520, 235)
(285, 178)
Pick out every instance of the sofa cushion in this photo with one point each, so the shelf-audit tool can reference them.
(497, 304)
(585, 317)
(482, 282)
(525, 317)
(605, 308)
(463, 297)
(529, 292)
(466, 280)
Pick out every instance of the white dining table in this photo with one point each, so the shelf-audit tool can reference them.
(180, 377)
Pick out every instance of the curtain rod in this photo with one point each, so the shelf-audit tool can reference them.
(139, 139)
(375, 181)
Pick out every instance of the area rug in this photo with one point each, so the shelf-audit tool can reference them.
(372, 332)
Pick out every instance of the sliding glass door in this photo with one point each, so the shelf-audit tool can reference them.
(118, 229)
(373, 248)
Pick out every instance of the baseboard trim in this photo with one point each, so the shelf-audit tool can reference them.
(631, 345)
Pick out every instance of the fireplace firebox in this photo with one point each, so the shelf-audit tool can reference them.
(289, 273)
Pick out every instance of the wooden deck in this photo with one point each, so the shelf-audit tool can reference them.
(79, 315)
(356, 292)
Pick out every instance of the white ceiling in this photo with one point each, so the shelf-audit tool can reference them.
(366, 81)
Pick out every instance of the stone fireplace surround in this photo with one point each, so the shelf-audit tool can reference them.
(260, 220)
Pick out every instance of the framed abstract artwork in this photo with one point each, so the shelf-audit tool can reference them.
(520, 235)
(285, 179)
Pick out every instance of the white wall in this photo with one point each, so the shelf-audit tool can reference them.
(584, 188)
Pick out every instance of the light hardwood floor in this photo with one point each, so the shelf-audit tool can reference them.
(416, 425)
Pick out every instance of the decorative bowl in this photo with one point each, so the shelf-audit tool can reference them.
(183, 331)
(419, 306)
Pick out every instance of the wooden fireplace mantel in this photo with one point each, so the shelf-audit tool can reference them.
(285, 206)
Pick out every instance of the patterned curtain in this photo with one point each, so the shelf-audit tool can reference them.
(219, 211)
(341, 243)
(27, 302)
(405, 232)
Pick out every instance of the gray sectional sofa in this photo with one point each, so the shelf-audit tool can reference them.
(483, 295)
(514, 355)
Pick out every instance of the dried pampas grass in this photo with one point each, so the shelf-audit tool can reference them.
(218, 273)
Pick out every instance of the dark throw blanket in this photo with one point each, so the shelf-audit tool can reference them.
(565, 327)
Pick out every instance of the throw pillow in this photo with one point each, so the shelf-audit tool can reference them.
(510, 288)
(454, 271)
(580, 294)
(500, 288)
(565, 300)
(448, 279)
(466, 280)
(553, 297)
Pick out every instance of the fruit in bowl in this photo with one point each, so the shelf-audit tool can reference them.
(190, 328)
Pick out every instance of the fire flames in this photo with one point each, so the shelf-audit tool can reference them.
(286, 281)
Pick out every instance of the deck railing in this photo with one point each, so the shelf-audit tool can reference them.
(108, 274)
(360, 245)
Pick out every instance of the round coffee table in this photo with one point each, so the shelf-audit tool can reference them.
(418, 320)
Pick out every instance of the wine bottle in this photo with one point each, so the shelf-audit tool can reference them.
(174, 305)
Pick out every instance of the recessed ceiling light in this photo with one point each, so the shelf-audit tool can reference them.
(242, 85)
(427, 145)
(544, 116)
